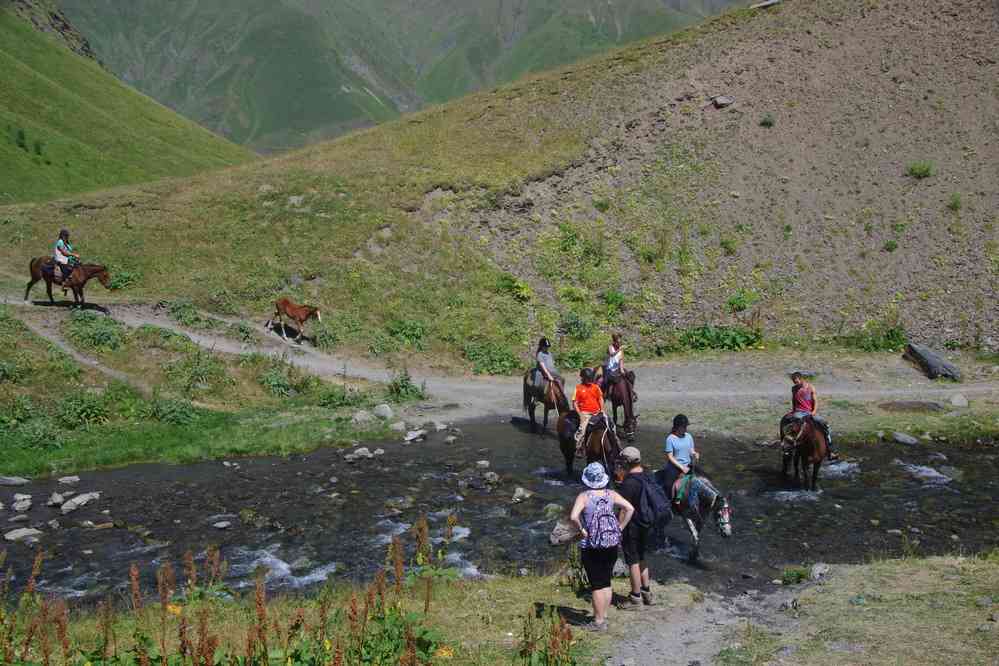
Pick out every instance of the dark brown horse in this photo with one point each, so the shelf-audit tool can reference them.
(601, 444)
(553, 397)
(803, 444)
(622, 394)
(41, 268)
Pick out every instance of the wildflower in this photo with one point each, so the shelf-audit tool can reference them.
(444, 652)
(175, 609)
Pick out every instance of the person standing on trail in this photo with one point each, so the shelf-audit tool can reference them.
(805, 404)
(635, 537)
(587, 400)
(594, 517)
(680, 453)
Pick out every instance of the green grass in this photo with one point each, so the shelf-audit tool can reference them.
(920, 170)
(82, 129)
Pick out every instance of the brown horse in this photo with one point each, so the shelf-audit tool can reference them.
(621, 394)
(553, 397)
(285, 307)
(41, 268)
(803, 444)
(601, 444)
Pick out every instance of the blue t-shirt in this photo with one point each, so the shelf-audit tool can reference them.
(680, 447)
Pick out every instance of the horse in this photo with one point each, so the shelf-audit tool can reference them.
(803, 444)
(553, 397)
(285, 307)
(41, 268)
(709, 501)
(601, 444)
(621, 394)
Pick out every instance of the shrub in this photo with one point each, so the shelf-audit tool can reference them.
(794, 575)
(767, 120)
(185, 313)
(490, 358)
(325, 337)
(728, 246)
(615, 301)
(16, 410)
(82, 410)
(884, 335)
(122, 278)
(954, 204)
(403, 389)
(728, 338)
(9, 372)
(173, 411)
(742, 300)
(408, 332)
(197, 371)
(276, 380)
(93, 331)
(890, 245)
(511, 285)
(603, 205)
(242, 332)
(919, 170)
(576, 326)
(334, 396)
(788, 229)
(382, 343)
(38, 433)
(577, 359)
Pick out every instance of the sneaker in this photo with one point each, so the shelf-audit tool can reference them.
(594, 626)
(647, 598)
(632, 602)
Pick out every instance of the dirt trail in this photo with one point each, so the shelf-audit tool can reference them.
(711, 382)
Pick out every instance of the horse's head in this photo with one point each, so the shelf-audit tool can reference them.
(318, 315)
(104, 277)
(723, 516)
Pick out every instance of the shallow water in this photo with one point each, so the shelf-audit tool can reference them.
(313, 516)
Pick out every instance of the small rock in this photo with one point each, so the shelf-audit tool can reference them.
(76, 502)
(383, 411)
(333, 480)
(954, 537)
(482, 464)
(297, 200)
(895, 532)
(786, 651)
(450, 439)
(55, 500)
(69, 480)
(819, 571)
(398, 426)
(22, 534)
(440, 426)
(983, 602)
(521, 494)
(777, 581)
(13, 481)
(958, 400)
(378, 452)
(222, 525)
(552, 511)
(22, 506)
(54, 524)
(722, 101)
(19, 519)
(903, 438)
(362, 452)
(361, 416)
(522, 572)
(87, 552)
(987, 627)
(416, 435)
(492, 478)
(937, 457)
(18, 497)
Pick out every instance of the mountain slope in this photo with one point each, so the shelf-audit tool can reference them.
(68, 125)
(613, 195)
(280, 74)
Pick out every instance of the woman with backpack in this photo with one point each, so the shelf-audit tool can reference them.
(593, 514)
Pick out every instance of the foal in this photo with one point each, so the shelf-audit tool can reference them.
(299, 314)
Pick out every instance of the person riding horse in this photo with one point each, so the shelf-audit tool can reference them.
(545, 371)
(613, 369)
(804, 405)
(64, 257)
(680, 453)
(587, 401)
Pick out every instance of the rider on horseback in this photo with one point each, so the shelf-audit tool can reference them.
(805, 404)
(545, 370)
(587, 401)
(613, 370)
(65, 258)
(680, 453)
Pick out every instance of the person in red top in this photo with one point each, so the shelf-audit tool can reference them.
(805, 404)
(587, 400)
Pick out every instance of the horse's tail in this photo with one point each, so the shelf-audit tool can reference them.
(527, 390)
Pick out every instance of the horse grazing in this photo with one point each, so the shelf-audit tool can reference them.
(621, 394)
(41, 268)
(552, 397)
(600, 444)
(284, 307)
(804, 444)
(702, 499)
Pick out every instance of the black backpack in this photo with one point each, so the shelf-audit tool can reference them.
(653, 505)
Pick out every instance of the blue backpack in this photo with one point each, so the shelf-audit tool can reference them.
(653, 505)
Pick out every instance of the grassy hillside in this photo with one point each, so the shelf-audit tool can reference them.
(68, 125)
(275, 75)
(847, 194)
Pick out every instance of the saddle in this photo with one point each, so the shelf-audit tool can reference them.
(49, 269)
(597, 420)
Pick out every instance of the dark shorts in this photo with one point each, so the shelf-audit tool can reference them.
(635, 543)
(599, 565)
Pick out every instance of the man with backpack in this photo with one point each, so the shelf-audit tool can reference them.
(650, 505)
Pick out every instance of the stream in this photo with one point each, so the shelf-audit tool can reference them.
(309, 517)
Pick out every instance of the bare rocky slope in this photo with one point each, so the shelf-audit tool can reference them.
(852, 183)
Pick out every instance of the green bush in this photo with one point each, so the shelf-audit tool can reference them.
(93, 331)
(727, 338)
(242, 332)
(890, 245)
(276, 380)
(954, 204)
(577, 326)
(729, 246)
(603, 205)
(794, 575)
(334, 395)
(325, 336)
(16, 410)
(123, 279)
(37, 433)
(403, 389)
(615, 301)
(173, 411)
(573, 294)
(742, 300)
(382, 343)
(198, 371)
(490, 358)
(886, 335)
(920, 170)
(512, 286)
(184, 312)
(82, 410)
(9, 372)
(767, 120)
(407, 332)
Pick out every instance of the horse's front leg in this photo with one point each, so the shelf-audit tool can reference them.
(530, 413)
(797, 468)
(815, 474)
(301, 331)
(48, 290)
(695, 535)
(544, 426)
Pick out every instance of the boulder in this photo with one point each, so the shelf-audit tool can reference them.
(13, 481)
(564, 532)
(19, 519)
(54, 524)
(416, 435)
(440, 426)
(55, 500)
(932, 364)
(450, 439)
(378, 452)
(69, 480)
(383, 411)
(18, 497)
(903, 438)
(364, 452)
(819, 571)
(553, 511)
(398, 426)
(80, 500)
(222, 525)
(22, 533)
(521, 494)
(958, 400)
(722, 101)
(22, 506)
(927, 475)
(492, 478)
